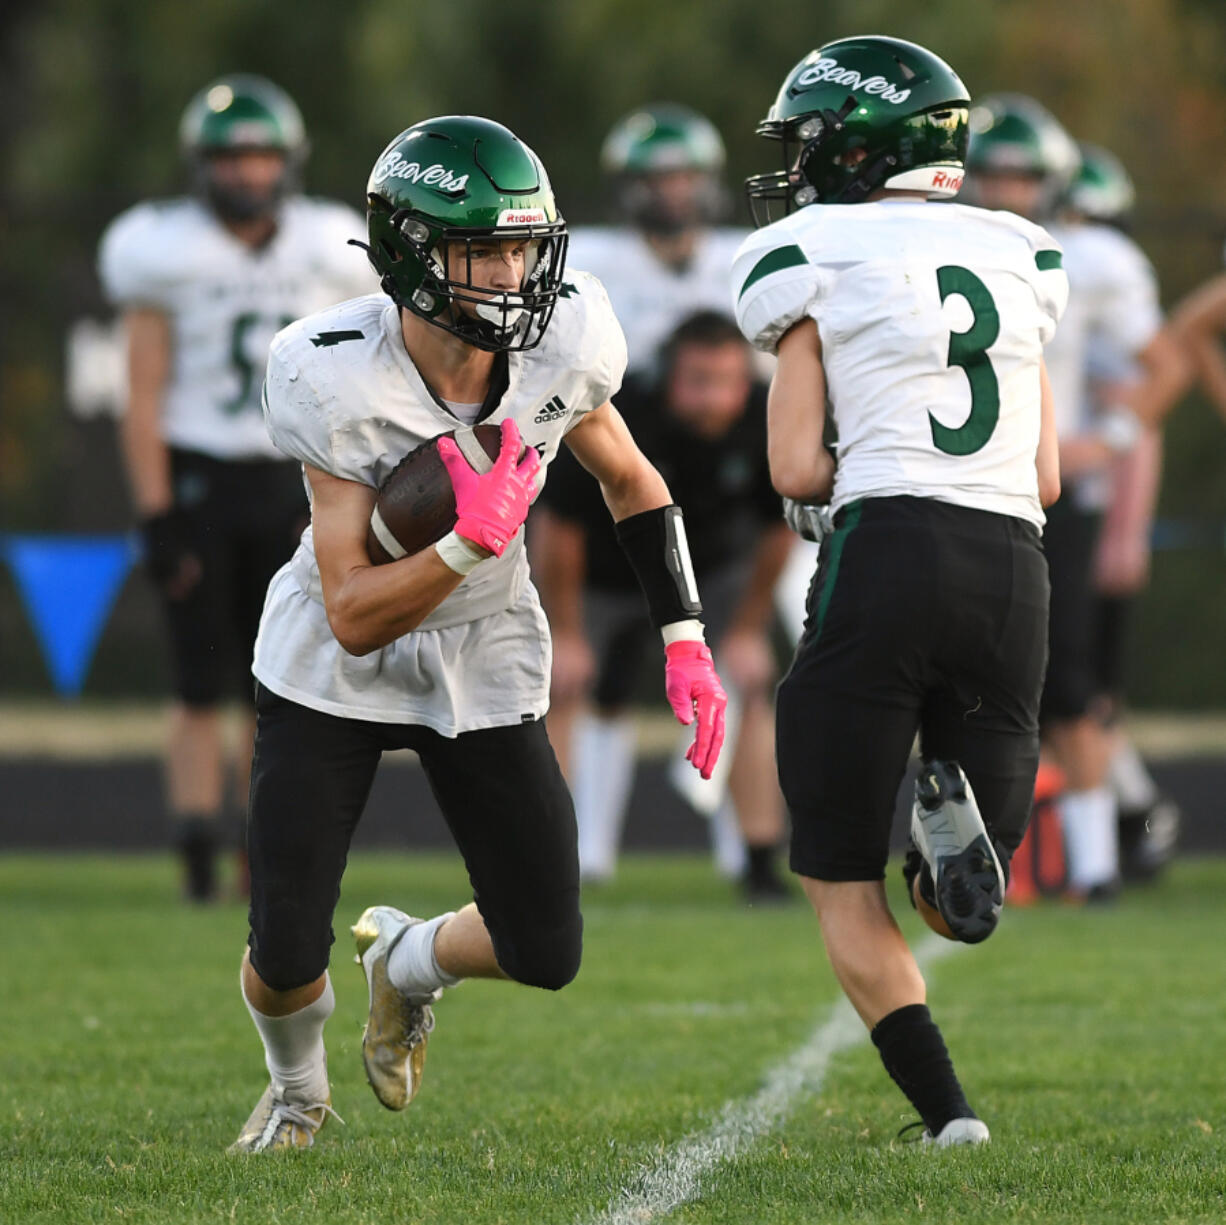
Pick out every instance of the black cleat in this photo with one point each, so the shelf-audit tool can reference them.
(949, 834)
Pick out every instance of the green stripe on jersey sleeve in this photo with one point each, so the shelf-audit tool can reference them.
(790, 256)
(1045, 261)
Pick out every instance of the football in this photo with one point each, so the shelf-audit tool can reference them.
(416, 504)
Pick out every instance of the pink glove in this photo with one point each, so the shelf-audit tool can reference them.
(492, 506)
(691, 684)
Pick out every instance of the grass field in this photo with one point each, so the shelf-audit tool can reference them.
(1093, 1042)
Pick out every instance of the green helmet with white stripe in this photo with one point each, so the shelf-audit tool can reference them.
(861, 114)
(460, 179)
(657, 141)
(231, 115)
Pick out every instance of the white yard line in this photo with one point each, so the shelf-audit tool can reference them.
(675, 1177)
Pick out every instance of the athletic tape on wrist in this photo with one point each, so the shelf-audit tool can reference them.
(683, 631)
(459, 554)
(655, 544)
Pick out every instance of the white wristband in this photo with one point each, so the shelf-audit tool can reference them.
(682, 631)
(459, 554)
(1119, 429)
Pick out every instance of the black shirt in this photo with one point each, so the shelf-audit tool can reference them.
(722, 485)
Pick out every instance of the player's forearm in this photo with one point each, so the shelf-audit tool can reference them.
(372, 606)
(146, 458)
(145, 452)
(637, 489)
(1209, 361)
(1167, 371)
(800, 466)
(757, 602)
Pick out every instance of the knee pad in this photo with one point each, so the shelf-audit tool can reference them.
(538, 956)
(288, 966)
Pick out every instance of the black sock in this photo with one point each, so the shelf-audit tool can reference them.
(760, 865)
(914, 1054)
(196, 837)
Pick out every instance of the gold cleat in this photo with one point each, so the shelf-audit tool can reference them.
(276, 1124)
(398, 1028)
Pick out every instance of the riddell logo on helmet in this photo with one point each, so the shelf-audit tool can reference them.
(393, 166)
(949, 179)
(522, 216)
(833, 71)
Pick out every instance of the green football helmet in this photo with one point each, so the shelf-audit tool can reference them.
(1102, 189)
(861, 114)
(651, 142)
(232, 114)
(462, 179)
(1014, 134)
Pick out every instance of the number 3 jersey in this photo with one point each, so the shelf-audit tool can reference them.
(932, 321)
(225, 302)
(343, 395)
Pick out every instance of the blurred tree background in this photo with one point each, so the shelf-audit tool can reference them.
(91, 92)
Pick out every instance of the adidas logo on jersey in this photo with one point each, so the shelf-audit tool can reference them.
(551, 412)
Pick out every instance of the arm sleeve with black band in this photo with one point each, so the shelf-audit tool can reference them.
(659, 554)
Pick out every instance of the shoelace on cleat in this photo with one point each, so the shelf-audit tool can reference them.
(919, 1127)
(417, 1027)
(284, 1112)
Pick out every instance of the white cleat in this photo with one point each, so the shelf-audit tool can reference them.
(949, 833)
(397, 1030)
(276, 1124)
(958, 1131)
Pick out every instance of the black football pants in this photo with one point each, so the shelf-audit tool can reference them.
(503, 797)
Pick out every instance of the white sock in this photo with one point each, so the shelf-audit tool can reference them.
(603, 757)
(413, 967)
(1091, 837)
(294, 1048)
(1130, 779)
(727, 844)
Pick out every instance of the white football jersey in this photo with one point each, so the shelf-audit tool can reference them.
(1113, 313)
(648, 296)
(932, 320)
(225, 302)
(343, 395)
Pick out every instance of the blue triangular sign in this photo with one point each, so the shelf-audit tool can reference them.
(68, 585)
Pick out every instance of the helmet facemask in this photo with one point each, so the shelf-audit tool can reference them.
(825, 162)
(233, 202)
(410, 253)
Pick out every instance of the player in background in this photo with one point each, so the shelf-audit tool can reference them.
(204, 282)
(444, 651)
(1102, 193)
(701, 420)
(668, 258)
(1023, 161)
(922, 328)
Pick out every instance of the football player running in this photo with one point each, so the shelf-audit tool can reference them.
(922, 327)
(204, 282)
(445, 651)
(1021, 159)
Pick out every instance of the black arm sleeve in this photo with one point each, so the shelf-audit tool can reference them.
(659, 554)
